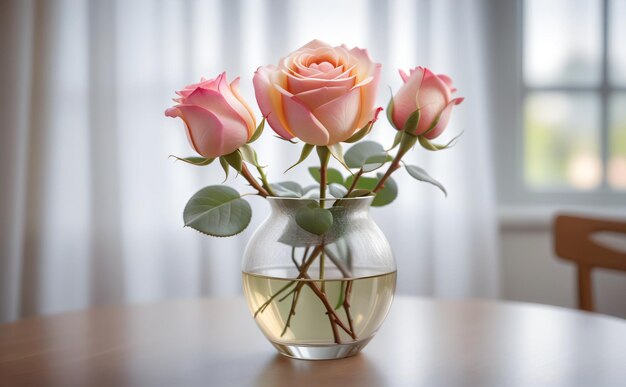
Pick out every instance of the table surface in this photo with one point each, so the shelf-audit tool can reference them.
(214, 342)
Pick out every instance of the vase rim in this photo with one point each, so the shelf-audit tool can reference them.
(280, 198)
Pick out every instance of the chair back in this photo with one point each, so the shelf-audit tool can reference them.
(573, 241)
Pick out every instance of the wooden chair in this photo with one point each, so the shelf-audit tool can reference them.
(573, 241)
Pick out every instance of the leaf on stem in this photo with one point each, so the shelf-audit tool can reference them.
(332, 175)
(289, 189)
(421, 175)
(337, 190)
(368, 155)
(217, 211)
(365, 185)
(314, 219)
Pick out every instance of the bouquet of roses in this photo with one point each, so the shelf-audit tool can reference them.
(323, 96)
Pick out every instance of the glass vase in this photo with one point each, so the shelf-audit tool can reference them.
(319, 276)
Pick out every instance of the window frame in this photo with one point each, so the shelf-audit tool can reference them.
(509, 92)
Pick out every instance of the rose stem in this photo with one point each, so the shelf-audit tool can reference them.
(266, 185)
(245, 172)
(346, 298)
(324, 155)
(354, 181)
(395, 164)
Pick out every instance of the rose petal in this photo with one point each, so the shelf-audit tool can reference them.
(299, 85)
(369, 89)
(316, 44)
(270, 101)
(207, 133)
(404, 101)
(315, 98)
(250, 120)
(340, 116)
(302, 121)
(215, 102)
(443, 119)
(432, 98)
(224, 88)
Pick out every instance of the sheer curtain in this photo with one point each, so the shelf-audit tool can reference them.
(90, 204)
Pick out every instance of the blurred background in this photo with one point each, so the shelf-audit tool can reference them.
(91, 205)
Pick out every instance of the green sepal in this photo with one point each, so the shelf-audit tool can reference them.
(306, 151)
(337, 152)
(248, 154)
(194, 160)
(410, 126)
(257, 133)
(235, 160)
(284, 139)
(364, 131)
(426, 144)
(218, 211)
(224, 165)
(421, 175)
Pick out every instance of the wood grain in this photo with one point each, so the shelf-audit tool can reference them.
(210, 342)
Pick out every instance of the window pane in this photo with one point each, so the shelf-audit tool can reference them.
(562, 42)
(617, 41)
(562, 138)
(616, 172)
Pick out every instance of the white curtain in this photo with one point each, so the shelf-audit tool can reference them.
(90, 204)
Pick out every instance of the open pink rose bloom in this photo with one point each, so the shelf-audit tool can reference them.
(218, 120)
(431, 94)
(319, 94)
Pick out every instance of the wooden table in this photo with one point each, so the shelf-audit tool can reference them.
(209, 342)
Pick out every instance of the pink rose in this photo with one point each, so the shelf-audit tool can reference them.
(319, 94)
(431, 94)
(217, 119)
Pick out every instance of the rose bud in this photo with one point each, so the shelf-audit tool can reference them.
(217, 119)
(431, 94)
(319, 94)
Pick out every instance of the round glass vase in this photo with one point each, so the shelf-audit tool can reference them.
(319, 276)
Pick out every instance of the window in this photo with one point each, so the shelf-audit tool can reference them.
(574, 96)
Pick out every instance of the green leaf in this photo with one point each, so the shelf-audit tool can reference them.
(390, 107)
(410, 126)
(314, 219)
(337, 190)
(426, 144)
(289, 189)
(224, 165)
(218, 211)
(257, 133)
(248, 154)
(194, 160)
(383, 197)
(356, 193)
(421, 175)
(358, 154)
(374, 162)
(235, 160)
(359, 134)
(306, 151)
(332, 175)
(337, 151)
